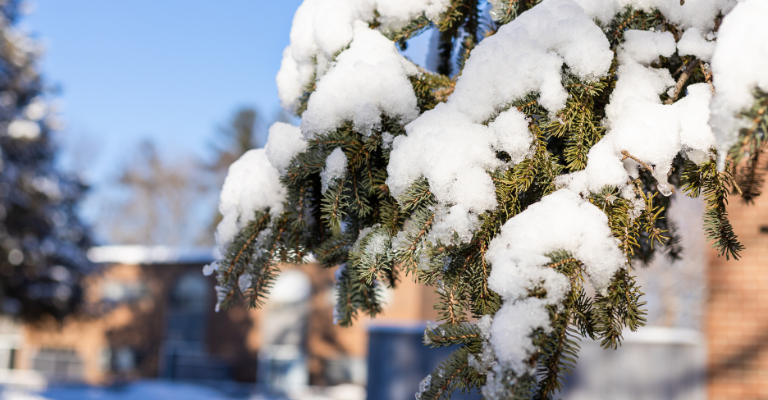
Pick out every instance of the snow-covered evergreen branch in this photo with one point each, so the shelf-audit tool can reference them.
(539, 156)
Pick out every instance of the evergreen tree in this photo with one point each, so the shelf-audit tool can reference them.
(539, 158)
(42, 241)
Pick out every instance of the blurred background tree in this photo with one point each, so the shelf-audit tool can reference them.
(155, 200)
(42, 240)
(158, 200)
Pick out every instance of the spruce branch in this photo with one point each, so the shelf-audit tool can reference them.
(355, 294)
(618, 307)
(748, 150)
(447, 334)
(714, 184)
(454, 373)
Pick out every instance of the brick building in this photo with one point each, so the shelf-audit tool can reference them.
(150, 313)
(737, 310)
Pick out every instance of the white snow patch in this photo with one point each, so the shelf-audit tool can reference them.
(323, 28)
(512, 328)
(452, 152)
(285, 142)
(738, 66)
(368, 79)
(560, 221)
(700, 14)
(335, 168)
(396, 14)
(252, 184)
(694, 44)
(456, 220)
(641, 125)
(451, 146)
(526, 56)
(244, 282)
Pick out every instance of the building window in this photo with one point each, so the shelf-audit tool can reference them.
(58, 364)
(123, 292)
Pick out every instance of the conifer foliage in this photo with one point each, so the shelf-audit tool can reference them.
(537, 160)
(42, 241)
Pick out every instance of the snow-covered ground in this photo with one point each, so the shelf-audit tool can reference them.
(164, 390)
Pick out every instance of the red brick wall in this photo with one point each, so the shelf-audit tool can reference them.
(737, 310)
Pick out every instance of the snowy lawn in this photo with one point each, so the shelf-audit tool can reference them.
(165, 390)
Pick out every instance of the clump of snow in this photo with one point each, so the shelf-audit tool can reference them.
(560, 221)
(321, 29)
(738, 67)
(378, 244)
(484, 324)
(386, 140)
(396, 14)
(452, 152)
(645, 47)
(366, 80)
(497, 9)
(700, 14)
(512, 329)
(694, 44)
(252, 184)
(640, 125)
(516, 272)
(486, 359)
(24, 129)
(285, 142)
(362, 234)
(291, 79)
(209, 269)
(335, 168)
(512, 135)
(453, 225)
(526, 56)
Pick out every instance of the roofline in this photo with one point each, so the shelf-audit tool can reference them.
(137, 254)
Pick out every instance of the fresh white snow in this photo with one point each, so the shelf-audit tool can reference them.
(738, 67)
(366, 80)
(335, 168)
(252, 184)
(285, 141)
